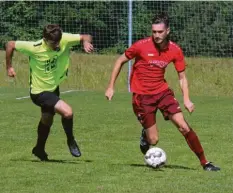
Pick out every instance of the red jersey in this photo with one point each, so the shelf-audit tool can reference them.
(147, 75)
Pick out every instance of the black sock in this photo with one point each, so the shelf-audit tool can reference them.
(43, 133)
(68, 128)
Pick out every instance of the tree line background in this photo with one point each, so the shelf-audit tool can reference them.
(201, 28)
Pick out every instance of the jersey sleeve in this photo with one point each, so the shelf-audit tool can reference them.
(71, 39)
(179, 61)
(132, 51)
(25, 47)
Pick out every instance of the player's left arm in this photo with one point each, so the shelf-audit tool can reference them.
(10, 48)
(87, 42)
(180, 66)
(185, 90)
(74, 39)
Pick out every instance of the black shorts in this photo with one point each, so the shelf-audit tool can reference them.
(46, 100)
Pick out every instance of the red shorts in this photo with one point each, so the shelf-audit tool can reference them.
(146, 106)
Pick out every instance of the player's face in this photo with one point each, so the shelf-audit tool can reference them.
(160, 32)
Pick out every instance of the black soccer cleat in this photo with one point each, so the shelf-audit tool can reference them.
(73, 147)
(210, 167)
(144, 145)
(40, 153)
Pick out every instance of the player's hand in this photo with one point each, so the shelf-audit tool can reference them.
(189, 106)
(11, 72)
(109, 93)
(88, 47)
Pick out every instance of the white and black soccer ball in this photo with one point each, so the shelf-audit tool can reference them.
(155, 157)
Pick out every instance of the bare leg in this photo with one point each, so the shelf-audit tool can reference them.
(66, 117)
(149, 137)
(190, 136)
(66, 113)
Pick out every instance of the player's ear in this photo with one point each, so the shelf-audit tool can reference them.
(168, 30)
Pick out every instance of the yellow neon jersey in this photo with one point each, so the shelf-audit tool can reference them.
(48, 68)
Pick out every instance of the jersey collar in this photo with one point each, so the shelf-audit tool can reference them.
(161, 50)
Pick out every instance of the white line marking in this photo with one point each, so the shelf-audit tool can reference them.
(67, 91)
(19, 98)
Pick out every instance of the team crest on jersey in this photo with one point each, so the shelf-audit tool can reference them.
(158, 63)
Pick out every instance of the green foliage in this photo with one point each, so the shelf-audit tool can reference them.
(118, 48)
(202, 28)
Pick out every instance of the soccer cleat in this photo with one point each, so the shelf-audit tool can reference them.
(73, 147)
(144, 145)
(210, 167)
(40, 153)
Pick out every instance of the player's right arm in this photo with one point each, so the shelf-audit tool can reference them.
(115, 72)
(10, 47)
(25, 47)
(129, 54)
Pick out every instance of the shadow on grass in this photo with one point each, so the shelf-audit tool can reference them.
(59, 161)
(165, 166)
(138, 165)
(178, 167)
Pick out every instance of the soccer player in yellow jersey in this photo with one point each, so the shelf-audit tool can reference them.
(49, 62)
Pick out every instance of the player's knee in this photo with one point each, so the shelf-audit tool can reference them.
(184, 130)
(68, 114)
(153, 140)
(47, 119)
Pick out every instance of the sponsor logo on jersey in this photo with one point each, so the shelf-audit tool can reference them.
(158, 63)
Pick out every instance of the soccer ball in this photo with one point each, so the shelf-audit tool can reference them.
(155, 157)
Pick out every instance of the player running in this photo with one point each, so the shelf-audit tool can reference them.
(150, 90)
(49, 62)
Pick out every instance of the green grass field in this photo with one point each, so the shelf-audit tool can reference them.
(108, 134)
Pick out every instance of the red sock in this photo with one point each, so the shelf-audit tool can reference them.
(195, 146)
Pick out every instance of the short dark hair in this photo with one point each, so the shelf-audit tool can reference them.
(52, 32)
(161, 18)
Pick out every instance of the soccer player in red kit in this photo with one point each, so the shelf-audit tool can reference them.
(150, 90)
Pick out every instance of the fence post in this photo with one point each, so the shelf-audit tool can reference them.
(130, 2)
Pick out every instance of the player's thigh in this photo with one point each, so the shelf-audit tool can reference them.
(145, 109)
(46, 100)
(168, 105)
(179, 121)
(63, 109)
